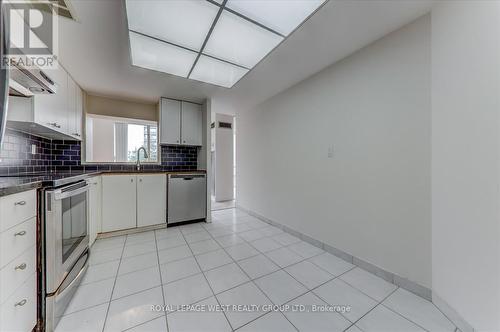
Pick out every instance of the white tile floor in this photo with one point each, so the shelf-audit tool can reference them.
(236, 260)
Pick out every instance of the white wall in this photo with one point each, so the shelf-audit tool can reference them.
(465, 159)
(224, 152)
(372, 199)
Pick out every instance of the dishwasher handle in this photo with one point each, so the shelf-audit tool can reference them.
(186, 176)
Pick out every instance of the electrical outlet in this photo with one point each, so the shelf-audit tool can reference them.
(330, 151)
(33, 149)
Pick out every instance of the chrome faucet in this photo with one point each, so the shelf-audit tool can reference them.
(138, 165)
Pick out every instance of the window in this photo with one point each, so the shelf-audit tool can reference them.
(113, 139)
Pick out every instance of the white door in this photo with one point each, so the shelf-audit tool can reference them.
(151, 199)
(94, 208)
(51, 110)
(170, 121)
(191, 124)
(118, 202)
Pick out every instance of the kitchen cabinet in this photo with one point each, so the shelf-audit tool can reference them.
(191, 123)
(170, 121)
(130, 201)
(180, 122)
(151, 199)
(75, 109)
(51, 110)
(94, 209)
(118, 202)
(53, 116)
(18, 275)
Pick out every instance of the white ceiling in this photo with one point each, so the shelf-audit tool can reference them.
(95, 51)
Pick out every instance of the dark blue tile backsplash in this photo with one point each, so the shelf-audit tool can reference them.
(16, 156)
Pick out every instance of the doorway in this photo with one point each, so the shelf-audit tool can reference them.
(223, 155)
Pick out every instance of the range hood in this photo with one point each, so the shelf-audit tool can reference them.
(28, 82)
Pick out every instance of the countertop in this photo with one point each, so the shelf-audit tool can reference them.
(22, 182)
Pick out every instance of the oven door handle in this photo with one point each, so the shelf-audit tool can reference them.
(63, 289)
(58, 194)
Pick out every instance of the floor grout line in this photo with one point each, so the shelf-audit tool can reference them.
(210, 286)
(255, 284)
(161, 278)
(233, 225)
(113, 288)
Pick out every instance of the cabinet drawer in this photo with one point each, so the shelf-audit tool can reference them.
(16, 208)
(15, 273)
(18, 313)
(14, 241)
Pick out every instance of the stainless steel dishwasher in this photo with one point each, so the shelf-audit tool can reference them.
(187, 197)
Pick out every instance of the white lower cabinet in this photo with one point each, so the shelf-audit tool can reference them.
(18, 277)
(130, 201)
(151, 199)
(119, 204)
(95, 220)
(18, 313)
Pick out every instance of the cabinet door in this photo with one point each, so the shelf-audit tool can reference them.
(170, 117)
(52, 110)
(71, 106)
(75, 109)
(118, 202)
(79, 112)
(191, 124)
(94, 208)
(151, 199)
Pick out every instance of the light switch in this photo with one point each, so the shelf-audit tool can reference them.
(330, 151)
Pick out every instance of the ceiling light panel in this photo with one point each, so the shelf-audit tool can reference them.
(217, 72)
(278, 15)
(156, 55)
(239, 41)
(182, 22)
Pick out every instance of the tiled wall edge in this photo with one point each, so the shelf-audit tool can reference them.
(397, 280)
(451, 313)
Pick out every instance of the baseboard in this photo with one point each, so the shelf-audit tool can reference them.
(393, 278)
(451, 313)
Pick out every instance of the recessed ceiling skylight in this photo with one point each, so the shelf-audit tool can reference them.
(213, 41)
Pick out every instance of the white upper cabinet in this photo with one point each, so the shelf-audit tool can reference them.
(51, 110)
(54, 116)
(151, 199)
(79, 112)
(180, 122)
(75, 109)
(191, 124)
(170, 118)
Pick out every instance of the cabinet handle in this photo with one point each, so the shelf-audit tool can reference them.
(20, 203)
(54, 124)
(21, 303)
(140, 180)
(131, 180)
(76, 134)
(20, 266)
(21, 233)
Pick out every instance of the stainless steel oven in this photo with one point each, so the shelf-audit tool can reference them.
(66, 246)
